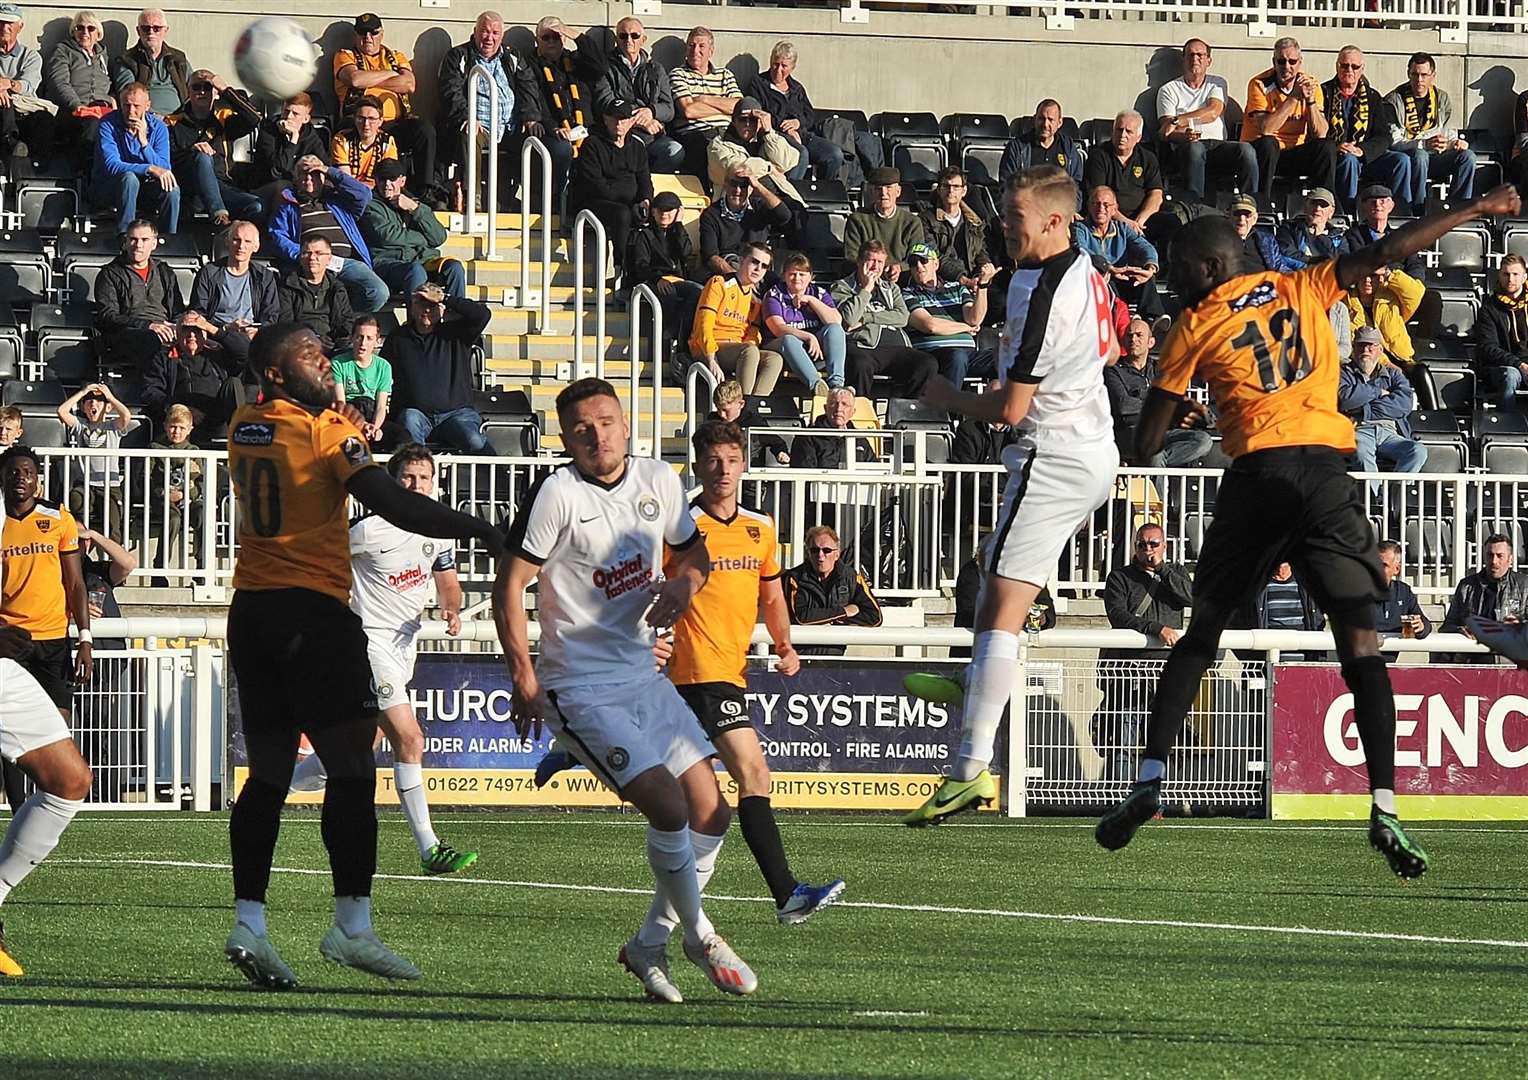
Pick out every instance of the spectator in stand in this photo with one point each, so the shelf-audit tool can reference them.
(659, 256)
(792, 115)
(1342, 327)
(314, 296)
(324, 201)
(611, 179)
(1495, 591)
(279, 144)
(1118, 244)
(1147, 595)
(1422, 119)
(875, 316)
(84, 415)
(1517, 163)
(1398, 614)
(1129, 169)
(175, 491)
(137, 300)
(26, 119)
(824, 452)
(1191, 122)
(566, 67)
(1284, 121)
(729, 322)
(11, 426)
(192, 375)
(1385, 300)
(750, 140)
(894, 227)
(1307, 239)
(731, 405)
(631, 74)
(748, 211)
(374, 72)
(132, 164)
(433, 376)
(363, 377)
(977, 442)
(1283, 604)
(1501, 334)
(1044, 144)
(1187, 444)
(1359, 123)
(154, 64)
(1259, 247)
(405, 237)
(202, 133)
(704, 97)
(1375, 204)
(79, 83)
(944, 317)
(235, 296)
(519, 103)
(360, 148)
(824, 591)
(805, 327)
(1379, 399)
(957, 233)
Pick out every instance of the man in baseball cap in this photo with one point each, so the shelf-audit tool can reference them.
(405, 236)
(895, 226)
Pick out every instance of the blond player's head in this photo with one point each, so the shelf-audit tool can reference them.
(1038, 205)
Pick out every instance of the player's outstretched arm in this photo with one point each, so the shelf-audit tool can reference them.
(1353, 266)
(416, 513)
(514, 577)
(1008, 404)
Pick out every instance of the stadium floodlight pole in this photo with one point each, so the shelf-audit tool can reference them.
(643, 298)
(586, 219)
(533, 145)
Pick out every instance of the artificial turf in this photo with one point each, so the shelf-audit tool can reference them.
(950, 969)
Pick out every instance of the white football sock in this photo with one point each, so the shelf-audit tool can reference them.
(1384, 798)
(661, 918)
(672, 857)
(989, 686)
(409, 777)
(309, 775)
(252, 914)
(33, 834)
(352, 914)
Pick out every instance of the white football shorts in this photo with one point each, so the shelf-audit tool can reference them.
(392, 665)
(1052, 491)
(619, 731)
(28, 718)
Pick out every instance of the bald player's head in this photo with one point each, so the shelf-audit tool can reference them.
(1205, 252)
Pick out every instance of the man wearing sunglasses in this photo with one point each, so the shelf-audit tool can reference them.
(1286, 124)
(202, 132)
(631, 74)
(155, 64)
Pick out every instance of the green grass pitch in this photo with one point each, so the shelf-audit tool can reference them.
(989, 949)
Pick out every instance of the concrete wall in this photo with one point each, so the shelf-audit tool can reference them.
(922, 61)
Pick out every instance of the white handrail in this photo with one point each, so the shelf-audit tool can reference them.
(533, 145)
(586, 219)
(470, 151)
(643, 298)
(694, 410)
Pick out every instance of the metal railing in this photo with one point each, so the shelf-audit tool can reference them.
(644, 299)
(478, 79)
(586, 221)
(697, 406)
(543, 298)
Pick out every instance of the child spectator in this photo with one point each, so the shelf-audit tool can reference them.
(175, 489)
(10, 426)
(362, 376)
(84, 415)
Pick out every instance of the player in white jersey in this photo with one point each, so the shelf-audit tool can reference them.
(391, 572)
(592, 534)
(1058, 339)
(33, 737)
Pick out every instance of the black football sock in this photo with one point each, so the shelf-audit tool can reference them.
(252, 830)
(1176, 690)
(350, 832)
(1374, 713)
(763, 837)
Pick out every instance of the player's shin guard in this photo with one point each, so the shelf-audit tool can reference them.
(1176, 689)
(672, 857)
(350, 832)
(252, 829)
(33, 834)
(989, 686)
(1374, 713)
(757, 818)
(661, 917)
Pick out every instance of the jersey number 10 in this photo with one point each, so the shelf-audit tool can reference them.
(1294, 361)
(259, 488)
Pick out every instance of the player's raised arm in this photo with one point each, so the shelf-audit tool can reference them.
(416, 513)
(1008, 404)
(1353, 266)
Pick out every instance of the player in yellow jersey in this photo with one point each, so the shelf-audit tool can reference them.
(1263, 343)
(298, 651)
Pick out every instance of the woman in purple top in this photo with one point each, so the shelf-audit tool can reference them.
(807, 328)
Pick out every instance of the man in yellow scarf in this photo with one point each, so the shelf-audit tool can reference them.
(1359, 122)
(1422, 128)
(1501, 334)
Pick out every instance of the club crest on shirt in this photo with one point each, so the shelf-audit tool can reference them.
(647, 507)
(1264, 293)
(1136, 171)
(428, 548)
(384, 690)
(617, 758)
(253, 435)
(354, 451)
(753, 532)
(43, 525)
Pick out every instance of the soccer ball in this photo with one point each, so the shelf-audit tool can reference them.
(275, 58)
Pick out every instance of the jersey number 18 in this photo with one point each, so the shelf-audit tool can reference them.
(1294, 361)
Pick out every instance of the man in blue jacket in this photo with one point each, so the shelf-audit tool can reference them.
(132, 164)
(325, 201)
(1131, 257)
(1379, 398)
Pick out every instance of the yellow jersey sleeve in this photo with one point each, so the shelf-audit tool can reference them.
(771, 568)
(1175, 367)
(1318, 284)
(69, 533)
(340, 446)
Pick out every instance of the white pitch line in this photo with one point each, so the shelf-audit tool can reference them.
(926, 909)
(887, 1012)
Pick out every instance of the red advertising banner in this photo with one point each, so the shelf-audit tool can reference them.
(1461, 743)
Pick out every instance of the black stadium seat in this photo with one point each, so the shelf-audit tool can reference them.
(1430, 422)
(914, 144)
(1501, 425)
(33, 394)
